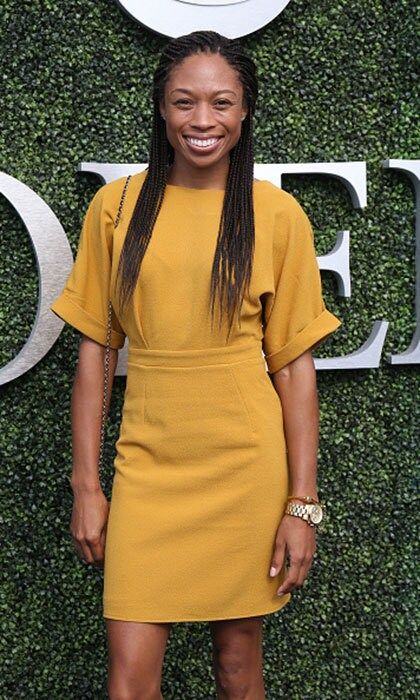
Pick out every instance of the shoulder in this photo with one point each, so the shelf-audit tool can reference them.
(283, 209)
(107, 198)
(277, 201)
(285, 217)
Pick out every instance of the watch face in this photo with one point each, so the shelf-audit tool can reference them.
(316, 514)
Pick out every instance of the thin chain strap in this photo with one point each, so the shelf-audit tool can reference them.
(107, 350)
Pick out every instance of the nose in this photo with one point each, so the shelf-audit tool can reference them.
(202, 117)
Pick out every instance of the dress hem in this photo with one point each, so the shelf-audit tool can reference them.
(126, 617)
(69, 311)
(309, 337)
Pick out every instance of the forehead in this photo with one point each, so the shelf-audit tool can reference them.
(204, 73)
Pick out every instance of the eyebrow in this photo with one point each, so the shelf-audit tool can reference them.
(190, 91)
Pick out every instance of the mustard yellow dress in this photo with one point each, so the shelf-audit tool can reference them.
(201, 476)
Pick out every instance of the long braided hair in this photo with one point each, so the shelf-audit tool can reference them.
(236, 236)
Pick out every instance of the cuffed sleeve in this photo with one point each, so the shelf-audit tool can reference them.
(295, 316)
(83, 302)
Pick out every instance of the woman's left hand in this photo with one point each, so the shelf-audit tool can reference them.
(297, 540)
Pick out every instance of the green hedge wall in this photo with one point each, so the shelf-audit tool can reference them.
(337, 83)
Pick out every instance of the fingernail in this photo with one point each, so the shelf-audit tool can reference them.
(273, 571)
(280, 592)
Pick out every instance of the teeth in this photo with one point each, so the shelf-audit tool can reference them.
(201, 142)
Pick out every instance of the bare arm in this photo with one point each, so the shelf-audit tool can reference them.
(86, 412)
(90, 506)
(296, 385)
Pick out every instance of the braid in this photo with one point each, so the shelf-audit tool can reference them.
(232, 264)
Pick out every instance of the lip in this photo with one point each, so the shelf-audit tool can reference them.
(201, 149)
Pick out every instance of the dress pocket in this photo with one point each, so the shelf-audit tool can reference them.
(259, 398)
(242, 398)
(132, 419)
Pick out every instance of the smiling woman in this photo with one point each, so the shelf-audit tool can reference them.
(203, 121)
(202, 476)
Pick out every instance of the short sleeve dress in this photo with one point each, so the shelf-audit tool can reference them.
(200, 478)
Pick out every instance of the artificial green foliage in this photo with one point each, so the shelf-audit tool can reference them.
(337, 83)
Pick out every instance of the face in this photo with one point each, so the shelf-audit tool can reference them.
(203, 106)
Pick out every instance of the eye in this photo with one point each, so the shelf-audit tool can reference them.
(186, 102)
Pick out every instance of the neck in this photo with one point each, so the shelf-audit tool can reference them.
(201, 178)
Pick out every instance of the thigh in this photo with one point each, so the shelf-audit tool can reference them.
(136, 652)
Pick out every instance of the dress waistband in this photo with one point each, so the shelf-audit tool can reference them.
(195, 358)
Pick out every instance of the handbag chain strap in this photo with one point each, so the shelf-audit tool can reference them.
(108, 345)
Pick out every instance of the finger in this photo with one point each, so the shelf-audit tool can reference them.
(76, 548)
(93, 549)
(304, 571)
(98, 551)
(298, 572)
(77, 545)
(83, 551)
(292, 577)
(97, 547)
(277, 559)
(100, 555)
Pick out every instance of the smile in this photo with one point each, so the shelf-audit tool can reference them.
(203, 144)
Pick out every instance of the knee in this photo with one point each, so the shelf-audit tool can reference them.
(232, 674)
(121, 690)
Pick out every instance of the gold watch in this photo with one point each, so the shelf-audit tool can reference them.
(311, 511)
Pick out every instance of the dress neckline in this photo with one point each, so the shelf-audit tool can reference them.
(200, 189)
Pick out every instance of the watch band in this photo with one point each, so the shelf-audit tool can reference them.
(311, 512)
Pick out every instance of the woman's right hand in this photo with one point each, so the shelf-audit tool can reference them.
(88, 525)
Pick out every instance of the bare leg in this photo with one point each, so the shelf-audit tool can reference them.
(238, 658)
(136, 651)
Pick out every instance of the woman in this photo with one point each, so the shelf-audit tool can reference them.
(196, 528)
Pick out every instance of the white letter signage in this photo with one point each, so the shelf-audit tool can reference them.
(232, 18)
